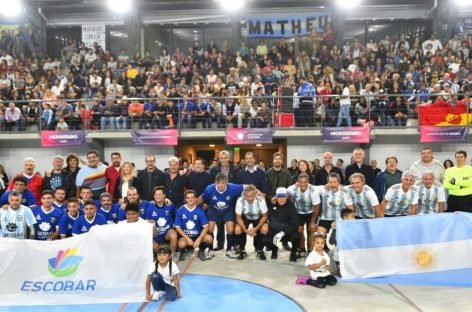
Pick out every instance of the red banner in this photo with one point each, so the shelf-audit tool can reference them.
(443, 113)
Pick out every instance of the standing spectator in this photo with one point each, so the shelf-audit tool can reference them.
(92, 175)
(252, 175)
(175, 183)
(307, 93)
(149, 178)
(293, 169)
(359, 166)
(385, 179)
(72, 166)
(198, 178)
(321, 175)
(278, 176)
(34, 180)
(113, 173)
(59, 178)
(373, 164)
(345, 106)
(427, 162)
(126, 180)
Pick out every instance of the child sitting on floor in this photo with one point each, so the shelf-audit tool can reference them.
(318, 262)
(164, 278)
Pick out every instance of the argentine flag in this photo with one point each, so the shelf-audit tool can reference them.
(415, 250)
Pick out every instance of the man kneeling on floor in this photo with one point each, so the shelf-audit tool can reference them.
(164, 278)
(283, 222)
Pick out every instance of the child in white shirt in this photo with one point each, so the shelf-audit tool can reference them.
(318, 262)
(164, 277)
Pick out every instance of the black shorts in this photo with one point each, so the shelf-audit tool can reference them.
(304, 219)
(392, 216)
(248, 222)
(326, 224)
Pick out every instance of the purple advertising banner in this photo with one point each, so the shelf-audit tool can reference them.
(62, 138)
(167, 137)
(443, 134)
(346, 135)
(236, 136)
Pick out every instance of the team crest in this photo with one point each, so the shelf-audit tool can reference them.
(19, 218)
(228, 197)
(167, 212)
(195, 217)
(113, 215)
(53, 219)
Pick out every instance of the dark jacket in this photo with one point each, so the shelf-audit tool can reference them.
(232, 175)
(283, 218)
(321, 175)
(366, 170)
(175, 188)
(199, 181)
(147, 185)
(68, 183)
(277, 179)
(257, 177)
(381, 184)
(135, 182)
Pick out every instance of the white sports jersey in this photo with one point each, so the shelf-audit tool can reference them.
(333, 202)
(429, 199)
(14, 223)
(251, 211)
(364, 202)
(304, 201)
(398, 202)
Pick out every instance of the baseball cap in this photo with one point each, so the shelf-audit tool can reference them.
(281, 192)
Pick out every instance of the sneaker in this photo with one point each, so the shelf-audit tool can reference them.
(218, 248)
(209, 253)
(201, 254)
(237, 249)
(274, 253)
(231, 254)
(302, 253)
(286, 246)
(293, 257)
(182, 255)
(242, 255)
(261, 255)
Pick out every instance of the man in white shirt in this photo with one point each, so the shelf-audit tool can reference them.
(436, 44)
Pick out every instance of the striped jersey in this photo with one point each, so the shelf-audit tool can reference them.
(95, 178)
(304, 201)
(398, 202)
(14, 223)
(251, 211)
(333, 202)
(429, 199)
(364, 202)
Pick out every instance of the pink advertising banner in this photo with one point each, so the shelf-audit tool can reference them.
(62, 138)
(167, 137)
(443, 134)
(237, 136)
(346, 135)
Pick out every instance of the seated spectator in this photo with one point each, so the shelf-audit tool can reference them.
(398, 113)
(62, 125)
(263, 116)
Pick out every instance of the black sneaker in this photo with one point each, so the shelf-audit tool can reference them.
(261, 255)
(286, 246)
(201, 254)
(293, 257)
(274, 253)
(182, 255)
(242, 255)
(218, 248)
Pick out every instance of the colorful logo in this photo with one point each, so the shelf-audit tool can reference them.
(65, 263)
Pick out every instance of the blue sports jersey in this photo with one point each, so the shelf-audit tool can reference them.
(82, 225)
(27, 198)
(46, 222)
(14, 223)
(192, 221)
(67, 224)
(142, 211)
(112, 214)
(81, 204)
(62, 207)
(163, 217)
(225, 200)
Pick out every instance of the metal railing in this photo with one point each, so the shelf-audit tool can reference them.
(216, 113)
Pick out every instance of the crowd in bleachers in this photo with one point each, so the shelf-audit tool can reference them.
(378, 83)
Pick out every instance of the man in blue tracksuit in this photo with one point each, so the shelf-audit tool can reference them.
(306, 93)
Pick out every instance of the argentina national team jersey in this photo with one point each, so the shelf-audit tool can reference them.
(429, 199)
(67, 224)
(163, 217)
(46, 222)
(191, 221)
(364, 202)
(83, 225)
(251, 211)
(399, 203)
(333, 202)
(111, 215)
(14, 223)
(222, 200)
(304, 201)
(62, 207)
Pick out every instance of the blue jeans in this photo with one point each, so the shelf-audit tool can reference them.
(109, 120)
(159, 285)
(344, 112)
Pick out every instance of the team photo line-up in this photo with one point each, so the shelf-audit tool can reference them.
(186, 202)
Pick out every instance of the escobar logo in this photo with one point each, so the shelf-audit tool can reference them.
(66, 263)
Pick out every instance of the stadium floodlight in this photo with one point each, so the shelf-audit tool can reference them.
(120, 6)
(348, 3)
(11, 8)
(232, 5)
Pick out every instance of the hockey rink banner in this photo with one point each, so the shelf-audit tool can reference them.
(109, 264)
(62, 138)
(239, 136)
(346, 135)
(165, 137)
(286, 26)
(443, 134)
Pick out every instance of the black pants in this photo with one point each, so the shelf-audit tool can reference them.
(321, 282)
(307, 113)
(258, 239)
(220, 235)
(293, 237)
(459, 203)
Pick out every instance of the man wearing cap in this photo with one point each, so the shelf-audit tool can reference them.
(283, 222)
(307, 93)
(59, 178)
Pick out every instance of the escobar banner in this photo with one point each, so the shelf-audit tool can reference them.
(168, 137)
(346, 135)
(286, 26)
(238, 136)
(62, 138)
(107, 265)
(442, 134)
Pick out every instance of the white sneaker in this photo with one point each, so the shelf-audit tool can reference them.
(231, 254)
(209, 253)
(156, 296)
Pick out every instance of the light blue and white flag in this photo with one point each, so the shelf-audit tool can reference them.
(419, 250)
